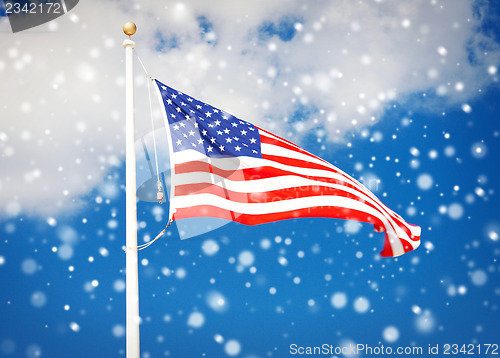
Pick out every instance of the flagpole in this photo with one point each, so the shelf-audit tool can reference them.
(132, 272)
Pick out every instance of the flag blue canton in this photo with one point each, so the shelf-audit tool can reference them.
(199, 126)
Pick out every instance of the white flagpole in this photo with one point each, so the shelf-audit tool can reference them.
(132, 274)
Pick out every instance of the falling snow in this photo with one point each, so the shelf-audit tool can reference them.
(385, 91)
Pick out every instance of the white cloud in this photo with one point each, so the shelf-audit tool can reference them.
(62, 109)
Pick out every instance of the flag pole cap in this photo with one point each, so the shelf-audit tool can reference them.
(129, 28)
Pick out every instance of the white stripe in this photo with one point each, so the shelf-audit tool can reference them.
(188, 201)
(272, 136)
(244, 162)
(271, 149)
(257, 185)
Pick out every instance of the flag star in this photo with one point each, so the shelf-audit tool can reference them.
(204, 132)
(179, 142)
(174, 96)
(198, 106)
(169, 101)
(228, 140)
(226, 131)
(243, 132)
(196, 124)
(191, 111)
(178, 109)
(187, 116)
(252, 128)
(182, 124)
(173, 115)
(200, 141)
(254, 151)
(253, 140)
(184, 135)
(237, 148)
(225, 117)
(183, 104)
(210, 125)
(234, 124)
(212, 140)
(193, 144)
(164, 88)
(215, 110)
(190, 99)
(176, 127)
(221, 148)
(217, 123)
(191, 133)
(219, 132)
(236, 138)
(208, 114)
(209, 149)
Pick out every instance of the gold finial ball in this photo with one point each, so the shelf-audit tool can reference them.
(129, 28)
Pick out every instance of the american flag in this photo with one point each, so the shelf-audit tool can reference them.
(225, 167)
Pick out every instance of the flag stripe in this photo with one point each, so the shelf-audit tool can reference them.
(236, 182)
(267, 136)
(266, 140)
(255, 219)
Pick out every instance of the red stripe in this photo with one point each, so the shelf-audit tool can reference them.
(268, 196)
(250, 219)
(273, 139)
(207, 188)
(298, 163)
(255, 173)
(286, 145)
(255, 219)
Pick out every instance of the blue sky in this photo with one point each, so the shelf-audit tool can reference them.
(431, 140)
